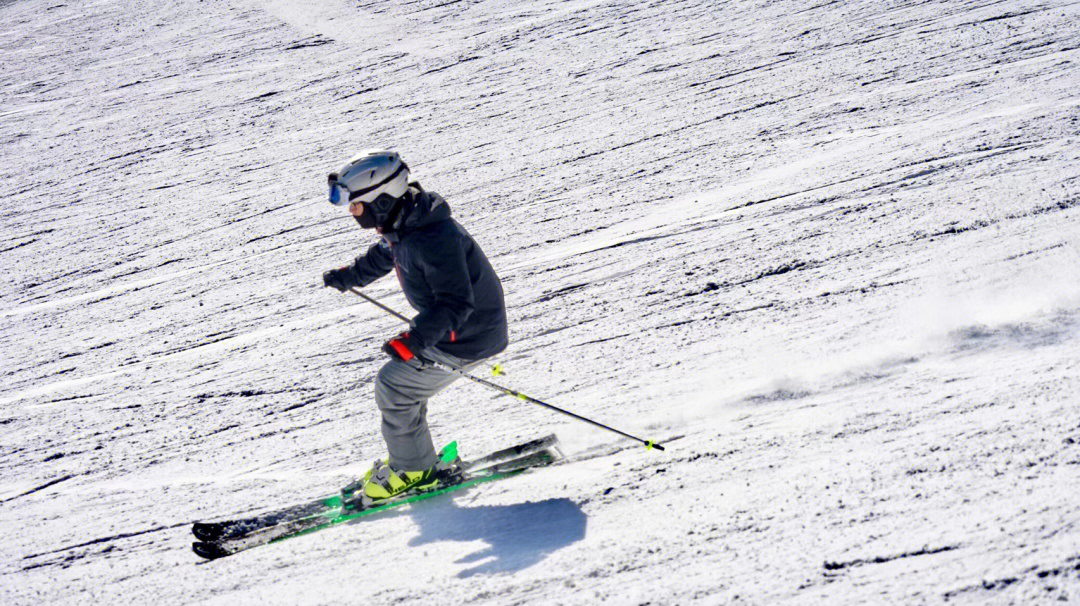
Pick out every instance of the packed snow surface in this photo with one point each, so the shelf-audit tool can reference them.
(827, 252)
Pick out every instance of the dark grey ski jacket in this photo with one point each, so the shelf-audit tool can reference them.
(445, 277)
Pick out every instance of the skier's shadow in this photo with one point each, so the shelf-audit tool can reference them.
(518, 536)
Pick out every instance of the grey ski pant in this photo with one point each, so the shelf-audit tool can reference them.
(402, 393)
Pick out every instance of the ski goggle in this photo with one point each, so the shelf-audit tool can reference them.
(339, 195)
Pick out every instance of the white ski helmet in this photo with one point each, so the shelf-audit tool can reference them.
(368, 175)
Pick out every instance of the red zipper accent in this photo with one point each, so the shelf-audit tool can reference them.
(401, 350)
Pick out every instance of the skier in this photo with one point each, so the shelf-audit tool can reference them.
(461, 317)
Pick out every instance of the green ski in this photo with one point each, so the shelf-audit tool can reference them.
(334, 510)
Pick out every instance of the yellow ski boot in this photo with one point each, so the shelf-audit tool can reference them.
(382, 482)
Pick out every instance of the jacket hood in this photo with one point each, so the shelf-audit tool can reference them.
(428, 207)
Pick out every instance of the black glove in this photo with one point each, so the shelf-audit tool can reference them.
(341, 279)
(406, 347)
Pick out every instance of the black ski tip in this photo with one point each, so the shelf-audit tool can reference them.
(207, 531)
(210, 551)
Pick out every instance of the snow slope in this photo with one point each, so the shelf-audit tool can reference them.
(828, 251)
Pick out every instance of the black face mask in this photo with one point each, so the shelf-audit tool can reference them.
(366, 218)
(381, 213)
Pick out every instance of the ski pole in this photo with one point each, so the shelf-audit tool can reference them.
(649, 444)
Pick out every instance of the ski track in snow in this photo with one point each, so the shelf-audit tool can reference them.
(829, 251)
